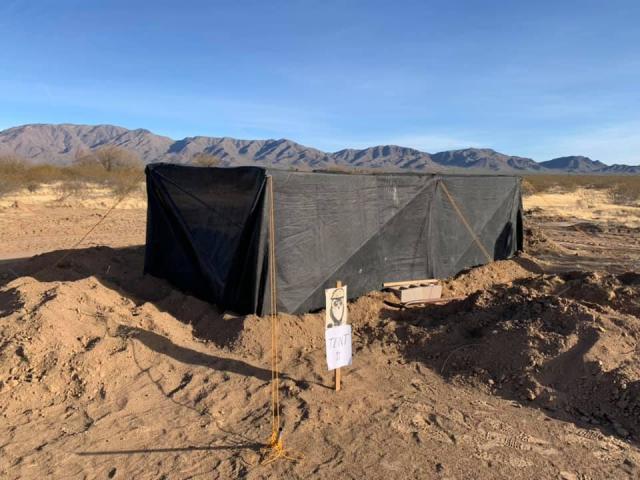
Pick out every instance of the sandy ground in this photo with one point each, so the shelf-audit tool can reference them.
(51, 219)
(583, 230)
(106, 373)
(586, 205)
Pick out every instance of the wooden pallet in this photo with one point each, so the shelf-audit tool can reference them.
(412, 291)
(422, 303)
(411, 283)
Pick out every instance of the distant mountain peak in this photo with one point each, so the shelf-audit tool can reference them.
(59, 144)
(574, 163)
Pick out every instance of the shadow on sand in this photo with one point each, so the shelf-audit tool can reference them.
(164, 346)
(120, 269)
(476, 339)
(252, 446)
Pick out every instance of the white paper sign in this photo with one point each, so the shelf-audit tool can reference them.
(338, 344)
(335, 313)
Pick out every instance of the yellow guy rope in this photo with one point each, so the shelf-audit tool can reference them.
(465, 222)
(275, 441)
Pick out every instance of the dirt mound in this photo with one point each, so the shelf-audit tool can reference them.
(85, 354)
(107, 373)
(537, 242)
(104, 370)
(565, 343)
(485, 276)
(59, 334)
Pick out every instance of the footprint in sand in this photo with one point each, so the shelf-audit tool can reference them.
(517, 441)
(417, 418)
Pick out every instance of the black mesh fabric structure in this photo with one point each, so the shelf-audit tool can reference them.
(208, 231)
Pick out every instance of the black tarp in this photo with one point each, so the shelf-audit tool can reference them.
(207, 230)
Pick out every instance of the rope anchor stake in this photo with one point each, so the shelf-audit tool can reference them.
(274, 448)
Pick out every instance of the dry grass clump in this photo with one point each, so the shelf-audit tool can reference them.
(625, 189)
(109, 166)
(203, 159)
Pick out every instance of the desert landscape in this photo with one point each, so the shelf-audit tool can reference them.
(325, 160)
(106, 373)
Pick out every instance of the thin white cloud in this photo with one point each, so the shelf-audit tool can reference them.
(611, 144)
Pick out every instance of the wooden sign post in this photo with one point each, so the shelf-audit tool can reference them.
(339, 369)
(337, 331)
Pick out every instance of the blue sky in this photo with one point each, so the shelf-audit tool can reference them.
(532, 78)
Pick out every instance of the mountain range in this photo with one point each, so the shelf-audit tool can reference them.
(61, 144)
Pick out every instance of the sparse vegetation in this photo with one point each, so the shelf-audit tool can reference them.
(625, 189)
(110, 166)
(111, 158)
(203, 159)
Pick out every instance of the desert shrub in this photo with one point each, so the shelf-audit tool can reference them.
(627, 192)
(114, 168)
(110, 158)
(203, 159)
(341, 168)
(625, 189)
(527, 187)
(12, 172)
(338, 168)
(71, 188)
(10, 164)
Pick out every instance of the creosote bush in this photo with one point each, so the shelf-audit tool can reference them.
(625, 189)
(109, 166)
(205, 160)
